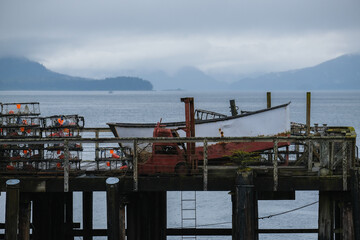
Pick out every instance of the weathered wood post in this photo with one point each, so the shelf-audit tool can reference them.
(268, 99)
(42, 221)
(57, 215)
(133, 228)
(233, 108)
(355, 199)
(159, 215)
(325, 218)
(12, 209)
(87, 215)
(337, 219)
(69, 216)
(205, 165)
(245, 219)
(66, 166)
(122, 217)
(24, 216)
(113, 209)
(275, 166)
(348, 226)
(308, 112)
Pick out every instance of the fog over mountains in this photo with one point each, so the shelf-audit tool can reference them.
(339, 73)
(342, 73)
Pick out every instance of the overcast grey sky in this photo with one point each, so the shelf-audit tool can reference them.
(103, 38)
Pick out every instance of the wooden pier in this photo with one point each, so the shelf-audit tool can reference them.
(325, 163)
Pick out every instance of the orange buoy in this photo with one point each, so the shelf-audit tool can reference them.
(58, 165)
(108, 164)
(11, 112)
(115, 155)
(111, 151)
(25, 151)
(60, 121)
(22, 129)
(18, 106)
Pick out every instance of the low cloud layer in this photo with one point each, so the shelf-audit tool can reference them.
(104, 38)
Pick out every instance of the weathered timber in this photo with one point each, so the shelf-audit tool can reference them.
(245, 218)
(159, 215)
(12, 209)
(268, 99)
(308, 112)
(24, 216)
(355, 200)
(233, 108)
(113, 208)
(325, 218)
(337, 219)
(347, 225)
(218, 181)
(132, 217)
(48, 216)
(122, 218)
(69, 220)
(87, 208)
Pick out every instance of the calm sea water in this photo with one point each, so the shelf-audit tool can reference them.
(99, 108)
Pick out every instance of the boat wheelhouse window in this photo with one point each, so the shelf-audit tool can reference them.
(165, 149)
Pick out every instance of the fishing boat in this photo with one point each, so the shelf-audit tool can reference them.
(180, 159)
(264, 122)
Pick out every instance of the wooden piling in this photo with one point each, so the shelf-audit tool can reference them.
(233, 108)
(159, 214)
(113, 207)
(57, 215)
(337, 220)
(245, 220)
(122, 217)
(132, 217)
(146, 216)
(87, 207)
(268, 99)
(355, 200)
(325, 218)
(348, 226)
(308, 110)
(24, 216)
(69, 221)
(41, 216)
(12, 209)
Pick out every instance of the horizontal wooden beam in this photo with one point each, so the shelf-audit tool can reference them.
(176, 139)
(263, 183)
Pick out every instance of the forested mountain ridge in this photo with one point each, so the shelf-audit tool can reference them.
(23, 74)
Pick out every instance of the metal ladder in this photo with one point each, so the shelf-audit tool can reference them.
(188, 211)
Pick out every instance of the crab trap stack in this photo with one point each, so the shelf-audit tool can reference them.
(62, 126)
(114, 158)
(21, 124)
(20, 121)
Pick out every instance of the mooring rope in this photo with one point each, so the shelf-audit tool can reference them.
(292, 210)
(269, 216)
